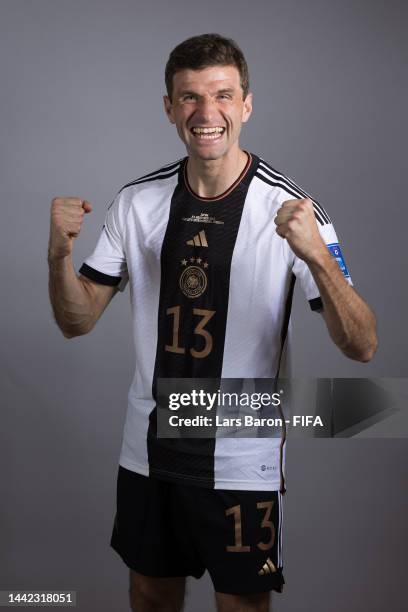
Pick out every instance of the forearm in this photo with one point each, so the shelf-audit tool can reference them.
(350, 321)
(70, 299)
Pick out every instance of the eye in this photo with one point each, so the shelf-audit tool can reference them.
(224, 97)
(189, 97)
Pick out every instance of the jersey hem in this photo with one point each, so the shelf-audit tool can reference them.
(247, 485)
(186, 479)
(230, 485)
(134, 467)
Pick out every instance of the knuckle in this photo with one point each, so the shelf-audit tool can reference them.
(72, 202)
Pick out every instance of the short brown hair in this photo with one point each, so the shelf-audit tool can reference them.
(203, 51)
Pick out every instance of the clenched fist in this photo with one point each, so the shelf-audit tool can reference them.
(295, 221)
(66, 220)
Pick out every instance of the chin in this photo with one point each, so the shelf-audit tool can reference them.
(206, 155)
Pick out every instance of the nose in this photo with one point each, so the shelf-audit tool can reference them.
(205, 109)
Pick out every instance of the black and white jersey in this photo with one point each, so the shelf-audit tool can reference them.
(211, 285)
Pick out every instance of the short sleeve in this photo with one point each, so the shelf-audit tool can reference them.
(301, 270)
(107, 264)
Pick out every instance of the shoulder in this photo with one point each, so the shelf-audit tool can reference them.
(164, 173)
(284, 188)
(147, 188)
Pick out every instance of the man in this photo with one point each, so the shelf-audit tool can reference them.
(211, 245)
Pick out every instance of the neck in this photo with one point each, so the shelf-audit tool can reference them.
(210, 178)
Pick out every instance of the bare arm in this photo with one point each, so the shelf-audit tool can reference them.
(350, 321)
(77, 302)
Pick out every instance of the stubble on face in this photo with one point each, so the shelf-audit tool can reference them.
(208, 110)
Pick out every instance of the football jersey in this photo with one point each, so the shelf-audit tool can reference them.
(211, 286)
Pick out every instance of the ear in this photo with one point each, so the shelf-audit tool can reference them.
(168, 108)
(247, 108)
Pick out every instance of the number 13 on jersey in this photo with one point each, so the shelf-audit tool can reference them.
(176, 313)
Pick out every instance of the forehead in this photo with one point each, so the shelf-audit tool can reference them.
(210, 78)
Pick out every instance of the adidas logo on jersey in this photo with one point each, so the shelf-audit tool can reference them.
(198, 240)
(267, 568)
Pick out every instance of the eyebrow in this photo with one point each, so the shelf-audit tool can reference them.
(186, 92)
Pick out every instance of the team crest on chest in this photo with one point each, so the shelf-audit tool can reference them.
(193, 279)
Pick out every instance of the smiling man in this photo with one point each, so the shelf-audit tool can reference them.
(209, 107)
(211, 246)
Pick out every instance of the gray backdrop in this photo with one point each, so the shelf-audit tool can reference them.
(81, 114)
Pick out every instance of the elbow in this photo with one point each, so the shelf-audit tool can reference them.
(366, 356)
(362, 354)
(371, 347)
(369, 353)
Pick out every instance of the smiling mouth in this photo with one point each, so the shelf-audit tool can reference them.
(208, 133)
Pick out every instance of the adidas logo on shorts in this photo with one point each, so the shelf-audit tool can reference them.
(267, 568)
(198, 240)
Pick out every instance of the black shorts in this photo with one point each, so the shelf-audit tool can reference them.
(165, 529)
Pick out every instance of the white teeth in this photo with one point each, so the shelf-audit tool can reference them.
(208, 133)
(208, 136)
(199, 130)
